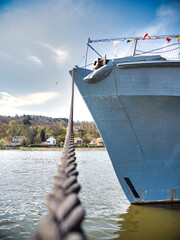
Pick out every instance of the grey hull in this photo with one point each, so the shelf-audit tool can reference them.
(137, 111)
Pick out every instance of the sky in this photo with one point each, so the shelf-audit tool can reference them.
(41, 40)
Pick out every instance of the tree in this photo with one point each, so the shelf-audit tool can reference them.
(30, 134)
(43, 135)
(37, 139)
(63, 124)
(3, 130)
(26, 120)
(86, 139)
(81, 133)
(60, 138)
(23, 141)
(49, 131)
(2, 142)
(14, 129)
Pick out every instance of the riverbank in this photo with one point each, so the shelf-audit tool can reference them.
(51, 148)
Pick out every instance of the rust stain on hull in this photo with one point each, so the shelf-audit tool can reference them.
(156, 202)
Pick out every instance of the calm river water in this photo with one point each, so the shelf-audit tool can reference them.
(25, 180)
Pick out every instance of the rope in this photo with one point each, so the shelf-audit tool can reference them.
(63, 221)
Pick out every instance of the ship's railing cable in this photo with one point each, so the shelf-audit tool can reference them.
(152, 46)
(160, 48)
(86, 56)
(94, 50)
(65, 215)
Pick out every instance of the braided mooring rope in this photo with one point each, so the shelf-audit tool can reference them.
(63, 221)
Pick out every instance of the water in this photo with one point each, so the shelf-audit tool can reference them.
(25, 181)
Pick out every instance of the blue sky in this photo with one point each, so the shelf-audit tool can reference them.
(41, 40)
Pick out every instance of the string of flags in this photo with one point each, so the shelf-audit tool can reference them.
(168, 39)
(145, 37)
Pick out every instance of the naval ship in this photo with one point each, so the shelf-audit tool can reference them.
(135, 103)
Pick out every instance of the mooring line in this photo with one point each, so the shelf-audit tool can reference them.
(63, 221)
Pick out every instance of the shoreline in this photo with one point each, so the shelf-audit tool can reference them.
(52, 149)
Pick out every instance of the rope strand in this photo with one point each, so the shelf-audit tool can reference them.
(63, 221)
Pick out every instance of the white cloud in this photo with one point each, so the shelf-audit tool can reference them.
(35, 60)
(4, 55)
(58, 54)
(11, 111)
(38, 98)
(165, 16)
(167, 13)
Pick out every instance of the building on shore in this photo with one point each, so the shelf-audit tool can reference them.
(78, 141)
(51, 141)
(97, 142)
(16, 141)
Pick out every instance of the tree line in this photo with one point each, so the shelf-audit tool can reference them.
(35, 130)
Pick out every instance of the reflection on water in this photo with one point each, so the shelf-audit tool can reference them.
(150, 222)
(25, 180)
